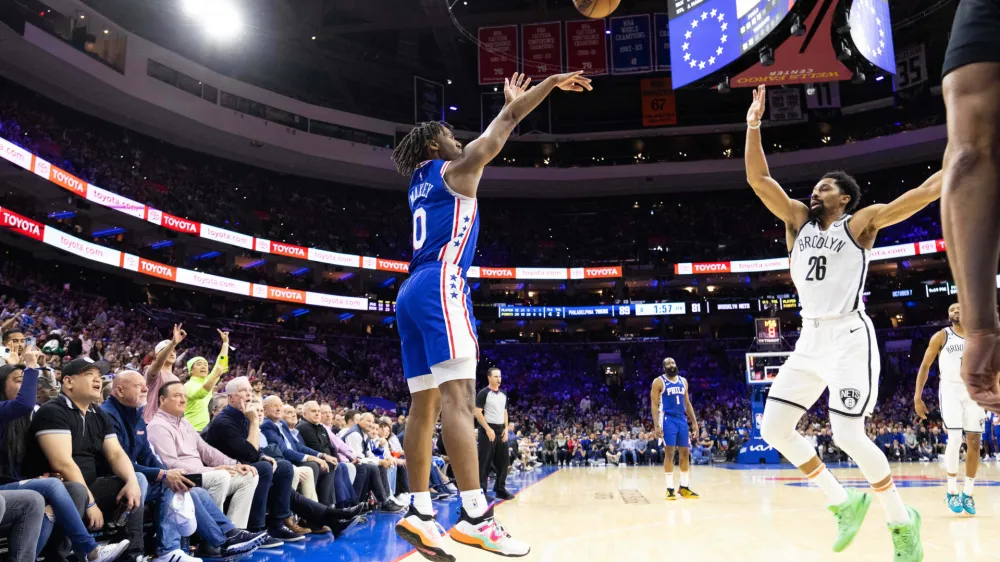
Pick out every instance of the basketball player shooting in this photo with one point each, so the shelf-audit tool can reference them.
(958, 410)
(672, 413)
(434, 315)
(829, 251)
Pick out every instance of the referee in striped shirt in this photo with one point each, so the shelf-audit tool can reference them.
(491, 415)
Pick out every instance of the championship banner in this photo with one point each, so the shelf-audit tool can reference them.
(498, 53)
(659, 108)
(587, 47)
(661, 35)
(542, 46)
(801, 60)
(428, 100)
(631, 45)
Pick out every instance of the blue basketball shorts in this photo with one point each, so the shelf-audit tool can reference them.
(676, 432)
(435, 323)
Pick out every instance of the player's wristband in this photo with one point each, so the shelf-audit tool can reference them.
(752, 126)
(91, 504)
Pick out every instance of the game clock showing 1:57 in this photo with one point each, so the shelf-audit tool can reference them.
(768, 331)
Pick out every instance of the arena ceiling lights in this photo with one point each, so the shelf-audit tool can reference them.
(219, 18)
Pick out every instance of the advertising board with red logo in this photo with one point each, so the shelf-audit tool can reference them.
(111, 200)
(22, 225)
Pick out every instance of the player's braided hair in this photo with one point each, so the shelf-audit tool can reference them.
(412, 149)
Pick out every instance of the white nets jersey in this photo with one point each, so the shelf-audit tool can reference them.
(950, 358)
(829, 269)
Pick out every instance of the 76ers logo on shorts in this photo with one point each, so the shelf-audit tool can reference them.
(850, 397)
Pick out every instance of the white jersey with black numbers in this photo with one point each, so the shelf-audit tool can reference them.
(950, 358)
(829, 269)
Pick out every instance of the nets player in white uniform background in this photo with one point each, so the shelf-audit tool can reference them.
(958, 411)
(829, 251)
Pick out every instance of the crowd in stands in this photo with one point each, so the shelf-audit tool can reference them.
(643, 230)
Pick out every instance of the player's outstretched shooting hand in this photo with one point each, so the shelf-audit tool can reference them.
(515, 86)
(756, 111)
(573, 82)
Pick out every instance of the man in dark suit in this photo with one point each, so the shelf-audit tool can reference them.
(325, 468)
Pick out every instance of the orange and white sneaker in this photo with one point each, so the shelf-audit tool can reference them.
(486, 533)
(425, 534)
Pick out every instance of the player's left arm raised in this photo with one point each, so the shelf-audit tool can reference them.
(868, 221)
(692, 419)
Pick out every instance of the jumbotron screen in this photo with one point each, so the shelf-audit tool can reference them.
(707, 35)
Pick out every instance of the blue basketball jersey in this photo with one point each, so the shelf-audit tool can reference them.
(445, 224)
(672, 399)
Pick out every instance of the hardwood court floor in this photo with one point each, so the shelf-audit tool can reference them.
(769, 515)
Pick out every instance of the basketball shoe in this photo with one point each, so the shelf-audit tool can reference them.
(850, 515)
(671, 496)
(424, 533)
(954, 502)
(486, 533)
(906, 539)
(686, 493)
(968, 504)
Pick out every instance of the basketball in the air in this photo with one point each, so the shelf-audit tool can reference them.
(596, 9)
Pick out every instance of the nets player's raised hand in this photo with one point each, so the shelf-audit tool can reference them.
(573, 82)
(756, 111)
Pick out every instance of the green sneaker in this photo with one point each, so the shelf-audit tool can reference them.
(906, 539)
(850, 515)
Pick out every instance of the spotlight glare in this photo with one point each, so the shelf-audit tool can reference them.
(220, 19)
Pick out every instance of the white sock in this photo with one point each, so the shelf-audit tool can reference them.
(834, 490)
(670, 480)
(422, 503)
(969, 483)
(952, 484)
(685, 479)
(895, 509)
(474, 502)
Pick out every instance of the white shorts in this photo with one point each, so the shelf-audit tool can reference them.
(958, 411)
(840, 354)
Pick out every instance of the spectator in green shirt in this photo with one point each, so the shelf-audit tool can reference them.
(200, 387)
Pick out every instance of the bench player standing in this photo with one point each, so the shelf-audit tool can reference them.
(674, 419)
(828, 252)
(434, 315)
(958, 410)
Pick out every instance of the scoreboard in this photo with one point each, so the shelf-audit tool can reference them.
(707, 35)
(768, 331)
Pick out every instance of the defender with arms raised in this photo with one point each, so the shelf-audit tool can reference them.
(829, 251)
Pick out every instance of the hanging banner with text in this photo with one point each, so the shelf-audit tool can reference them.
(498, 53)
(661, 37)
(658, 105)
(428, 100)
(541, 45)
(801, 60)
(631, 45)
(784, 104)
(587, 47)
(911, 68)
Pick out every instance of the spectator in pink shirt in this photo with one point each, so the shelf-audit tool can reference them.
(179, 446)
